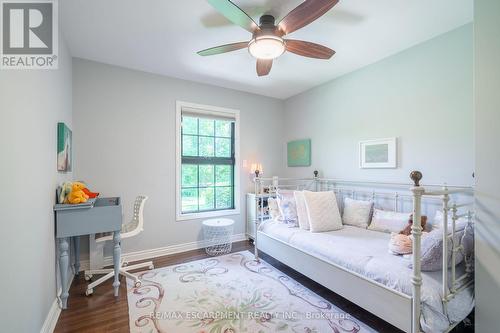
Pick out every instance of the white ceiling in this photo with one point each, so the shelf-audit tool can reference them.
(162, 36)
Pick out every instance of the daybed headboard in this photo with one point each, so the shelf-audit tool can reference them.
(387, 196)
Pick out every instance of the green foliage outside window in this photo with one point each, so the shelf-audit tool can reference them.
(207, 173)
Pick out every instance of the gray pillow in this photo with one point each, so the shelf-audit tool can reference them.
(432, 251)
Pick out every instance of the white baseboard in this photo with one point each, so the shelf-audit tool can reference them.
(50, 322)
(55, 310)
(167, 250)
(159, 252)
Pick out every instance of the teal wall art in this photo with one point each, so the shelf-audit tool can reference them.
(299, 153)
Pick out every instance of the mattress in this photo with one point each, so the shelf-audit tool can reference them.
(366, 253)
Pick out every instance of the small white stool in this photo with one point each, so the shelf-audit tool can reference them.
(217, 233)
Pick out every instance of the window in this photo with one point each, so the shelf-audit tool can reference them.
(207, 155)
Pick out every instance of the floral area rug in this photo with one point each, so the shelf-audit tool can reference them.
(230, 294)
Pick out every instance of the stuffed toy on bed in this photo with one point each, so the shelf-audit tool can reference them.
(407, 230)
(400, 244)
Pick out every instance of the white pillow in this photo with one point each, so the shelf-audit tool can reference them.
(323, 211)
(357, 212)
(438, 221)
(388, 221)
(301, 210)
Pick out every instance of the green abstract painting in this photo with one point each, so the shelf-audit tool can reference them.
(299, 153)
(64, 148)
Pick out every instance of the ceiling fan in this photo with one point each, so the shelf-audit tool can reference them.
(267, 41)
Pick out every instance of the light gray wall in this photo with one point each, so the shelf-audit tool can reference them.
(422, 95)
(125, 142)
(32, 102)
(487, 159)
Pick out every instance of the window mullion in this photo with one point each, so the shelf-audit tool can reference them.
(198, 133)
(198, 187)
(215, 152)
(232, 169)
(198, 166)
(215, 184)
(207, 160)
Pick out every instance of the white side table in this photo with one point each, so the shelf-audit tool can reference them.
(217, 233)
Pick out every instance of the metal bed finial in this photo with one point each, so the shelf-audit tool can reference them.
(416, 176)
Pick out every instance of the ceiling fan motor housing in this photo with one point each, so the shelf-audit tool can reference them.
(267, 26)
(267, 21)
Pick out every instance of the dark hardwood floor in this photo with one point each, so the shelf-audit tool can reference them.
(102, 312)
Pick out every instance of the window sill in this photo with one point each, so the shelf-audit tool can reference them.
(204, 215)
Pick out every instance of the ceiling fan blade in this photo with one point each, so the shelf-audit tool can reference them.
(308, 49)
(214, 19)
(305, 13)
(264, 66)
(234, 14)
(223, 49)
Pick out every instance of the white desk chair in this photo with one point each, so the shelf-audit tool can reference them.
(130, 229)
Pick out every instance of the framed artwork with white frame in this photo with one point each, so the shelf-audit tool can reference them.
(377, 154)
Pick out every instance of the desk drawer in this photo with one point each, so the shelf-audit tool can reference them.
(104, 216)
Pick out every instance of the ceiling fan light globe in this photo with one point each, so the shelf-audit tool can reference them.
(266, 47)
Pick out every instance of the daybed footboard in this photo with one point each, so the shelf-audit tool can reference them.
(457, 284)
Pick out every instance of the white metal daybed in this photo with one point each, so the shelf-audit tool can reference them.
(355, 263)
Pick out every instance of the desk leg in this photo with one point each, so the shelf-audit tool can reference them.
(63, 267)
(76, 244)
(116, 260)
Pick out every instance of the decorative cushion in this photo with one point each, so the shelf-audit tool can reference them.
(323, 211)
(407, 230)
(357, 212)
(438, 221)
(274, 210)
(287, 207)
(468, 240)
(388, 221)
(301, 210)
(400, 244)
(432, 250)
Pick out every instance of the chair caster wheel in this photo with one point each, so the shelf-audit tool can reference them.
(151, 267)
(137, 284)
(88, 277)
(89, 292)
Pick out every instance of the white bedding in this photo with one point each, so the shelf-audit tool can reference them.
(366, 252)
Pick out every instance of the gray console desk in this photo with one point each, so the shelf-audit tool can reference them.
(95, 216)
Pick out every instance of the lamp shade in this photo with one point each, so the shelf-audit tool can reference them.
(256, 166)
